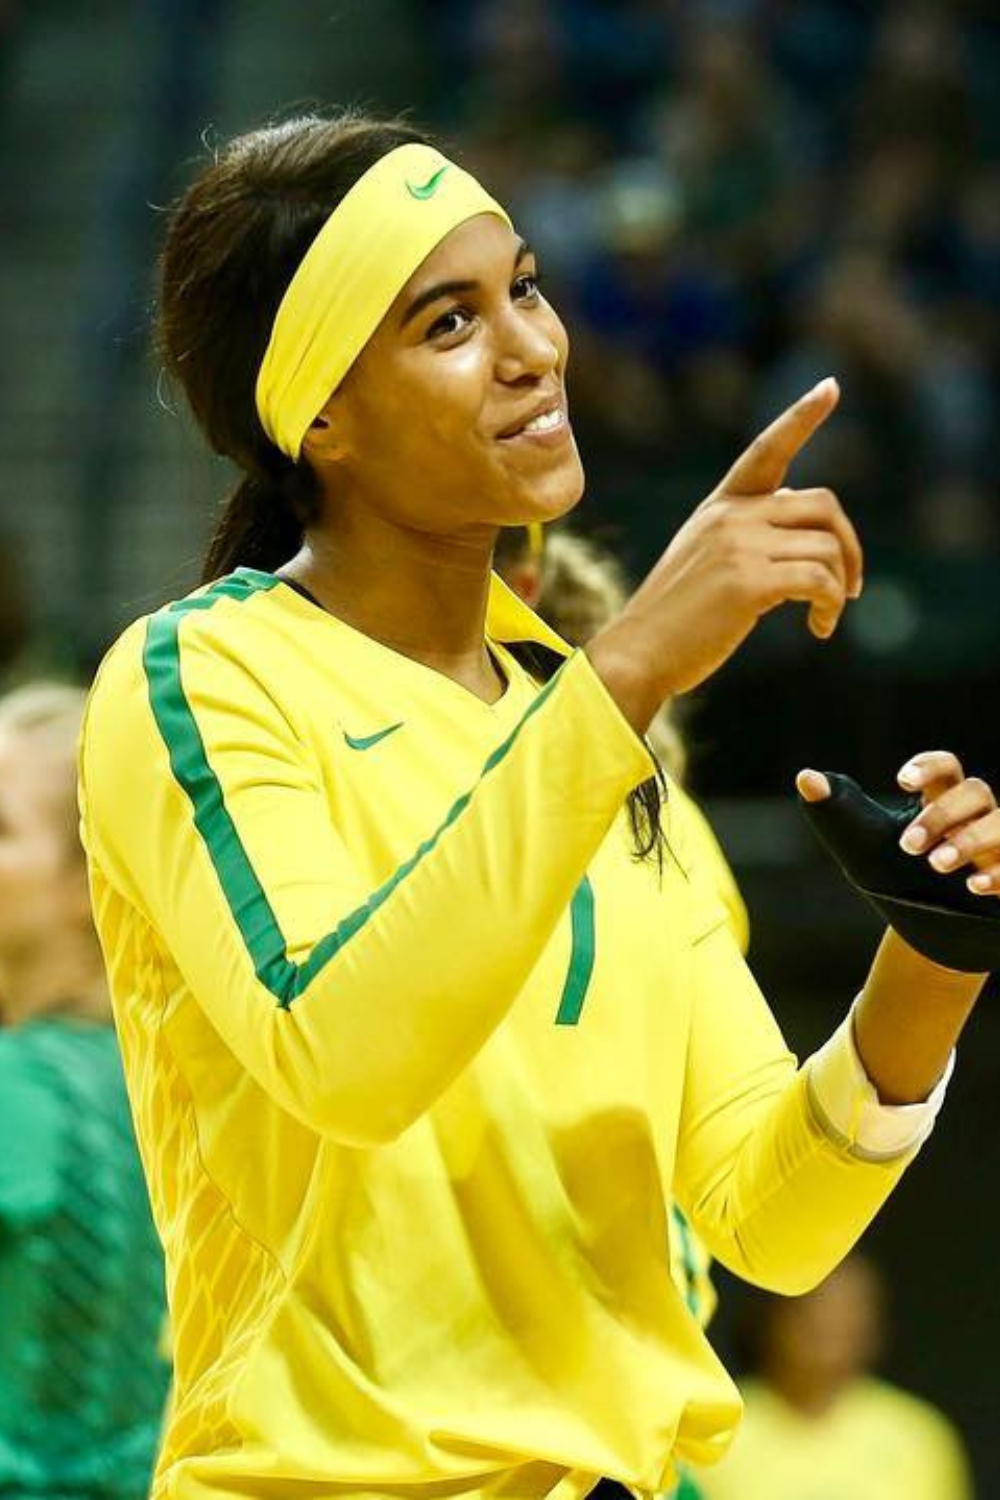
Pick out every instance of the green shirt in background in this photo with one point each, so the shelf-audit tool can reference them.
(82, 1386)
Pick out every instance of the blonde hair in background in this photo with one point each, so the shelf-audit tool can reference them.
(583, 587)
(51, 713)
(55, 708)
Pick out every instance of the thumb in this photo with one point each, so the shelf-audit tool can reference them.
(812, 786)
(763, 466)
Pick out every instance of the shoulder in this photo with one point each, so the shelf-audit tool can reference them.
(227, 637)
(213, 616)
(921, 1417)
(26, 1078)
(933, 1446)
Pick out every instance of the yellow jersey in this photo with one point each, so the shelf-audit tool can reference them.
(875, 1443)
(418, 1055)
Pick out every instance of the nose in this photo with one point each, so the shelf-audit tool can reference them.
(527, 348)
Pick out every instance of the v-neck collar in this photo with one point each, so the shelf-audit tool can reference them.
(508, 621)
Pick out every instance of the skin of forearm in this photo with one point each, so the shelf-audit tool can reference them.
(908, 1018)
(618, 660)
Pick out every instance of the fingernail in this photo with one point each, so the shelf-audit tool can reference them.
(913, 840)
(945, 857)
(821, 385)
(910, 777)
(979, 884)
(858, 589)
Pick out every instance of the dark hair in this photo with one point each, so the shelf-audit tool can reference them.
(234, 240)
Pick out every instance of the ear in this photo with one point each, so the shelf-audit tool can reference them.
(323, 442)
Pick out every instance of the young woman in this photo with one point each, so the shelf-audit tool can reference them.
(82, 1385)
(419, 1049)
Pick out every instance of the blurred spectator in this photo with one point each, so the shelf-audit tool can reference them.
(818, 1425)
(82, 1386)
(743, 197)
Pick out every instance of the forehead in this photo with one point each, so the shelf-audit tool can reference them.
(481, 248)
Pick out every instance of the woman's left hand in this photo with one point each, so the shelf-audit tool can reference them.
(959, 826)
(960, 822)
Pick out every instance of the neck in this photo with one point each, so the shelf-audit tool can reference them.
(67, 980)
(809, 1397)
(424, 596)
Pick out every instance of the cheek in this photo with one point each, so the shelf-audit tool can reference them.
(452, 393)
(433, 414)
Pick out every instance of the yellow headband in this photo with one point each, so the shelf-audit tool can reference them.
(369, 247)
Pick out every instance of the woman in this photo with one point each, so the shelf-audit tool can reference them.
(81, 1274)
(417, 1048)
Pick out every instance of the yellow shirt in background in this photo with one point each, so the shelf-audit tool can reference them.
(707, 851)
(418, 1055)
(876, 1443)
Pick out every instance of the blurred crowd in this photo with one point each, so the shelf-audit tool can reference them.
(736, 198)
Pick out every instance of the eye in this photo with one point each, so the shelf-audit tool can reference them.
(450, 324)
(525, 287)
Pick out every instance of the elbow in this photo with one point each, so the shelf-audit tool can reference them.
(353, 1100)
(359, 1119)
(349, 1105)
(792, 1280)
(772, 1269)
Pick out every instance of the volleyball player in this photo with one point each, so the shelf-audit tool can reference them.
(82, 1385)
(423, 1023)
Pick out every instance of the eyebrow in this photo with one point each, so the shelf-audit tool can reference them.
(453, 288)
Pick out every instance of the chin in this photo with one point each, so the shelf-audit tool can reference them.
(552, 497)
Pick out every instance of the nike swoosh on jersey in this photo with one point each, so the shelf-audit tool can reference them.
(366, 741)
(430, 187)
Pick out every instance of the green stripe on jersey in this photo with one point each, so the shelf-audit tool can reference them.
(245, 896)
(688, 1261)
(581, 958)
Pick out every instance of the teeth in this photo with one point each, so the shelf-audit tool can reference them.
(544, 422)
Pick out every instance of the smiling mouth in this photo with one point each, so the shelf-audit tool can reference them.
(550, 420)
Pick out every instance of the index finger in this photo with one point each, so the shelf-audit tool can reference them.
(763, 466)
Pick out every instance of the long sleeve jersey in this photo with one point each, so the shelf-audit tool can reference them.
(419, 1056)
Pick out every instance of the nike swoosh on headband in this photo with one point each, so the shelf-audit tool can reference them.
(366, 741)
(430, 187)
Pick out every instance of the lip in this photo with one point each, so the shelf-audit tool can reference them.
(514, 433)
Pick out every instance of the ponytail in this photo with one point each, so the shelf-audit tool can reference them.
(233, 242)
(263, 522)
(255, 531)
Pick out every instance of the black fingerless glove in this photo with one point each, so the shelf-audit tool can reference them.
(936, 914)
